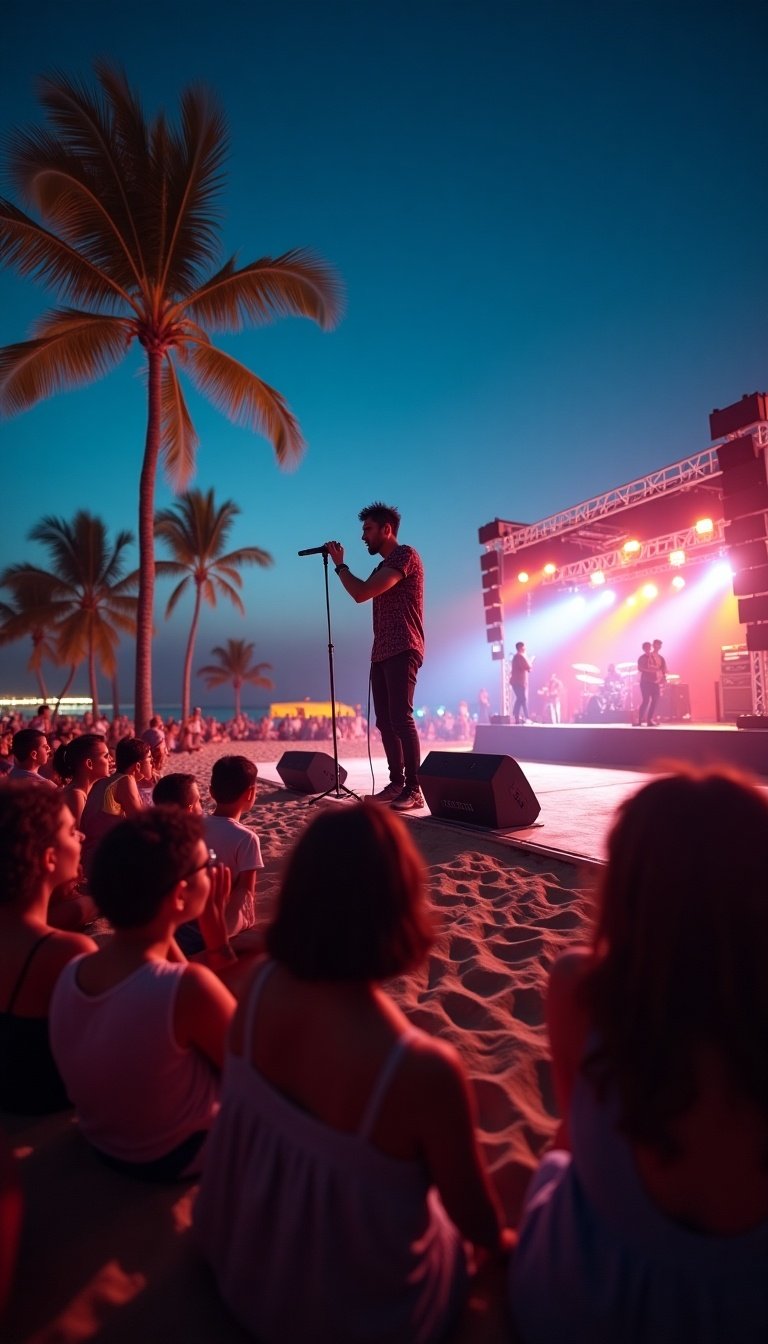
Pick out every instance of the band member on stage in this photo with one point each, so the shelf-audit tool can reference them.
(396, 588)
(653, 674)
(552, 693)
(518, 680)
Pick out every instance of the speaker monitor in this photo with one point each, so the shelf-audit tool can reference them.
(480, 788)
(309, 771)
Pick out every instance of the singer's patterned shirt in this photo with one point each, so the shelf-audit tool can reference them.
(398, 614)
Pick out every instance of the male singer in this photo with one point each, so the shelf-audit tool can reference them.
(396, 588)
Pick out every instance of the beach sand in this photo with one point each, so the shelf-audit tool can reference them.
(104, 1258)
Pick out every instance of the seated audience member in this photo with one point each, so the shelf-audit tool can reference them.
(116, 797)
(31, 751)
(39, 850)
(344, 1163)
(83, 760)
(155, 740)
(649, 1221)
(137, 1031)
(233, 789)
(178, 791)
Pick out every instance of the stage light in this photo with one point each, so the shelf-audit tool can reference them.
(440, 711)
(649, 591)
(722, 572)
(632, 601)
(704, 527)
(523, 576)
(677, 558)
(678, 582)
(631, 547)
(597, 577)
(607, 597)
(550, 568)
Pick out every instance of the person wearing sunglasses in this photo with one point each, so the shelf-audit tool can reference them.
(137, 1031)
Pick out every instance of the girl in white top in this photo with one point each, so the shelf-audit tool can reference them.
(137, 1031)
(343, 1172)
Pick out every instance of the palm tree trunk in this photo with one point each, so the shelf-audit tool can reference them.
(142, 709)
(37, 663)
(92, 679)
(185, 685)
(236, 684)
(64, 690)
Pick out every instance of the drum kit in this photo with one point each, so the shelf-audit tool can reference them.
(616, 692)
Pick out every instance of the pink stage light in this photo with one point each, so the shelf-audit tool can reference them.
(597, 577)
(523, 576)
(678, 582)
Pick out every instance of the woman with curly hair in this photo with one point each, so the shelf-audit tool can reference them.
(344, 1174)
(39, 850)
(649, 1221)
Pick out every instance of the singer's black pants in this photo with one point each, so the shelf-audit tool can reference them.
(393, 682)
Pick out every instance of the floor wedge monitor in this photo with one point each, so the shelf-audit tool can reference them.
(478, 788)
(309, 771)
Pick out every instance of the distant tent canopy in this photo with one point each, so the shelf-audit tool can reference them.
(309, 709)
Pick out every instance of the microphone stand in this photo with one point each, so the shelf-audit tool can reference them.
(337, 790)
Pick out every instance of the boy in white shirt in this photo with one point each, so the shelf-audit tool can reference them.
(233, 789)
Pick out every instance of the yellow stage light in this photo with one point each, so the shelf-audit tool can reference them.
(597, 578)
(631, 547)
(704, 527)
(678, 582)
(550, 568)
(632, 601)
(523, 576)
(677, 558)
(649, 591)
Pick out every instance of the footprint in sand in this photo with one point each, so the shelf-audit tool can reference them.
(467, 1012)
(462, 949)
(528, 1006)
(486, 983)
(513, 953)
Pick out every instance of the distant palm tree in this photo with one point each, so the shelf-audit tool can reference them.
(196, 531)
(131, 231)
(234, 667)
(83, 597)
(31, 614)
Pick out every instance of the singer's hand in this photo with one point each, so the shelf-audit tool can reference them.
(335, 551)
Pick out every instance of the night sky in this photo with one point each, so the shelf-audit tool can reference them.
(550, 221)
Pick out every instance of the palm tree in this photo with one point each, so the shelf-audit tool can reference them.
(234, 667)
(130, 226)
(31, 613)
(84, 597)
(196, 531)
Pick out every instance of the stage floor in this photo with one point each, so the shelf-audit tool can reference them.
(578, 802)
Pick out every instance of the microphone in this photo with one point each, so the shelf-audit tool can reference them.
(314, 550)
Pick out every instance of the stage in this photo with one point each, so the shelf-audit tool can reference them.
(623, 747)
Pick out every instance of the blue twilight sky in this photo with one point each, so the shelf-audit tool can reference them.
(551, 223)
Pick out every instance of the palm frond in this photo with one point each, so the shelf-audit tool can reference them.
(246, 400)
(256, 679)
(32, 250)
(227, 590)
(77, 348)
(247, 555)
(179, 439)
(177, 593)
(214, 676)
(296, 284)
(86, 121)
(194, 179)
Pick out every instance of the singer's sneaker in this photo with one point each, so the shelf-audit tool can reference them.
(408, 800)
(387, 795)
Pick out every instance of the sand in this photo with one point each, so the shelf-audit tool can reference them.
(103, 1258)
